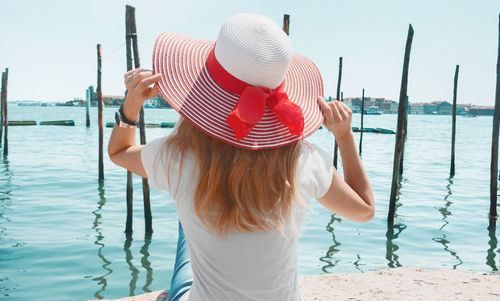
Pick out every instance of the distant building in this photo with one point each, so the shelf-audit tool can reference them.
(482, 110)
(442, 107)
(462, 108)
(416, 108)
(383, 105)
(430, 108)
(110, 100)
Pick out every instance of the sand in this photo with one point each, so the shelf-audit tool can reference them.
(403, 283)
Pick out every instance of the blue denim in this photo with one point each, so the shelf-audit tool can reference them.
(183, 275)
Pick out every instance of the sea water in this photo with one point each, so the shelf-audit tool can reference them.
(62, 234)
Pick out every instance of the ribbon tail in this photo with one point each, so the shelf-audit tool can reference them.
(248, 111)
(288, 113)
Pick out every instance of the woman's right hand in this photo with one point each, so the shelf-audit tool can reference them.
(338, 117)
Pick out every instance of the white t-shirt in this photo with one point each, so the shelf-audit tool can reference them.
(239, 266)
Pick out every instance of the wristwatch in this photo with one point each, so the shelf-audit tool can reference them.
(122, 121)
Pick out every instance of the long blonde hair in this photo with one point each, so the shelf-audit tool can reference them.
(239, 189)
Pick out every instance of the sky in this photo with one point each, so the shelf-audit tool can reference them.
(50, 46)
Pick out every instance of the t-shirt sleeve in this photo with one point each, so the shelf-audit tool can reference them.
(152, 156)
(316, 171)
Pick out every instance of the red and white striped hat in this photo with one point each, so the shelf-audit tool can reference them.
(247, 88)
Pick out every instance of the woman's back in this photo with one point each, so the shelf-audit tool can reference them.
(258, 265)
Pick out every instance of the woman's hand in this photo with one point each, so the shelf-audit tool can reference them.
(338, 117)
(138, 83)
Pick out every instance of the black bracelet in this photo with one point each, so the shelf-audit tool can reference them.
(124, 119)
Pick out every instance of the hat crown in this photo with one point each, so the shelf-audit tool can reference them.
(254, 49)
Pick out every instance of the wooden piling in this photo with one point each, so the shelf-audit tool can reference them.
(286, 23)
(99, 116)
(335, 149)
(399, 144)
(1, 108)
(362, 115)
(494, 144)
(87, 105)
(5, 81)
(131, 39)
(129, 191)
(405, 132)
(453, 122)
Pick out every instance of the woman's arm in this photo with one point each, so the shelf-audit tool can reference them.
(352, 197)
(122, 149)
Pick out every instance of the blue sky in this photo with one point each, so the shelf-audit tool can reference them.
(50, 46)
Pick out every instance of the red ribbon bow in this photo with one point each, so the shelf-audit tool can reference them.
(252, 103)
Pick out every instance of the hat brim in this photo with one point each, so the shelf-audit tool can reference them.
(187, 86)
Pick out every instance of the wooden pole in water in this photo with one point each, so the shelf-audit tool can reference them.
(494, 143)
(131, 37)
(2, 110)
(99, 117)
(286, 23)
(400, 131)
(5, 81)
(88, 100)
(145, 184)
(453, 122)
(128, 224)
(362, 115)
(335, 149)
(405, 132)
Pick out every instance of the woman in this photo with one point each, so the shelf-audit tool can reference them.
(236, 164)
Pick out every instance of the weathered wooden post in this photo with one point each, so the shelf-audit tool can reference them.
(131, 38)
(335, 149)
(362, 115)
(5, 81)
(99, 116)
(87, 105)
(494, 144)
(2, 110)
(405, 132)
(400, 131)
(453, 122)
(286, 23)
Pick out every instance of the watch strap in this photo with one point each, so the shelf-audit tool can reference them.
(124, 119)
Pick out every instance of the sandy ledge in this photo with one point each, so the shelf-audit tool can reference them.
(403, 283)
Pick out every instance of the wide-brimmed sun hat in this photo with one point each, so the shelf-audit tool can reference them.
(247, 88)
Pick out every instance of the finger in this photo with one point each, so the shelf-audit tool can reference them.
(342, 110)
(148, 81)
(129, 76)
(335, 111)
(347, 109)
(152, 92)
(139, 76)
(325, 108)
(131, 72)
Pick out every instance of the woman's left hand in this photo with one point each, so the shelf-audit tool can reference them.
(138, 83)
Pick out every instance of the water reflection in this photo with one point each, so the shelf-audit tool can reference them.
(101, 280)
(333, 249)
(6, 285)
(491, 253)
(393, 233)
(445, 212)
(6, 189)
(357, 264)
(145, 263)
(128, 258)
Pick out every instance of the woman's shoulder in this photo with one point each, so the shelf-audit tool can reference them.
(313, 154)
